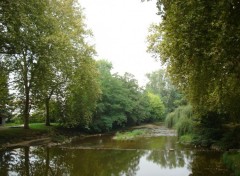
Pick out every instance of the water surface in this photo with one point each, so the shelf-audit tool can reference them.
(103, 156)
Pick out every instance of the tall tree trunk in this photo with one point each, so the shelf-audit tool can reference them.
(47, 100)
(27, 92)
(47, 120)
(26, 109)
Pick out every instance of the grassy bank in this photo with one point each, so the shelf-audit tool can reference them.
(14, 133)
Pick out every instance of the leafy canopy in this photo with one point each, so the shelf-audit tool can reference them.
(199, 41)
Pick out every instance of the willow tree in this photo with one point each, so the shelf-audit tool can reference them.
(199, 41)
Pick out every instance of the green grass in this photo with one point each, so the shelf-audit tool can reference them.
(129, 135)
(42, 126)
(12, 124)
(232, 161)
(186, 139)
(16, 133)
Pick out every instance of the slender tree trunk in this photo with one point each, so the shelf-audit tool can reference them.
(47, 100)
(26, 109)
(47, 122)
(27, 92)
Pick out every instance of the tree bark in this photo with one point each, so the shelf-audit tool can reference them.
(26, 110)
(27, 92)
(47, 121)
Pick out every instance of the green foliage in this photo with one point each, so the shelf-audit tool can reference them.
(83, 94)
(4, 92)
(44, 46)
(231, 137)
(184, 126)
(186, 139)
(123, 102)
(232, 160)
(130, 135)
(161, 85)
(182, 119)
(209, 129)
(199, 41)
(156, 107)
(170, 120)
(37, 117)
(114, 100)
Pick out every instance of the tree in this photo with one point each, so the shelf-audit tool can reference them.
(44, 43)
(72, 65)
(122, 101)
(199, 41)
(82, 94)
(110, 110)
(4, 91)
(161, 85)
(156, 107)
(24, 30)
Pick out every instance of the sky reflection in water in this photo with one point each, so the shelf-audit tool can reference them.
(142, 157)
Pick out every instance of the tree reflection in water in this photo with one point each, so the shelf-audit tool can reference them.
(41, 161)
(170, 159)
(208, 163)
(152, 154)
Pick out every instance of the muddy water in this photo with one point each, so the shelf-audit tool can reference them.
(154, 155)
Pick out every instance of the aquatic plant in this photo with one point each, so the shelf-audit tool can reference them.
(129, 135)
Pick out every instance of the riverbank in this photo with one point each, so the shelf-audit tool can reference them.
(157, 141)
(37, 134)
(9, 136)
(41, 135)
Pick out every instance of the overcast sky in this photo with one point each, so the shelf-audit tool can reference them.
(120, 28)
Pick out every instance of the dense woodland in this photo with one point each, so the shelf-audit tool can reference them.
(48, 72)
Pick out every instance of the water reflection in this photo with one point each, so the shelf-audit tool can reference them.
(44, 161)
(151, 156)
(208, 163)
(169, 159)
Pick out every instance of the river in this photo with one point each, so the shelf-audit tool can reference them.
(158, 154)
